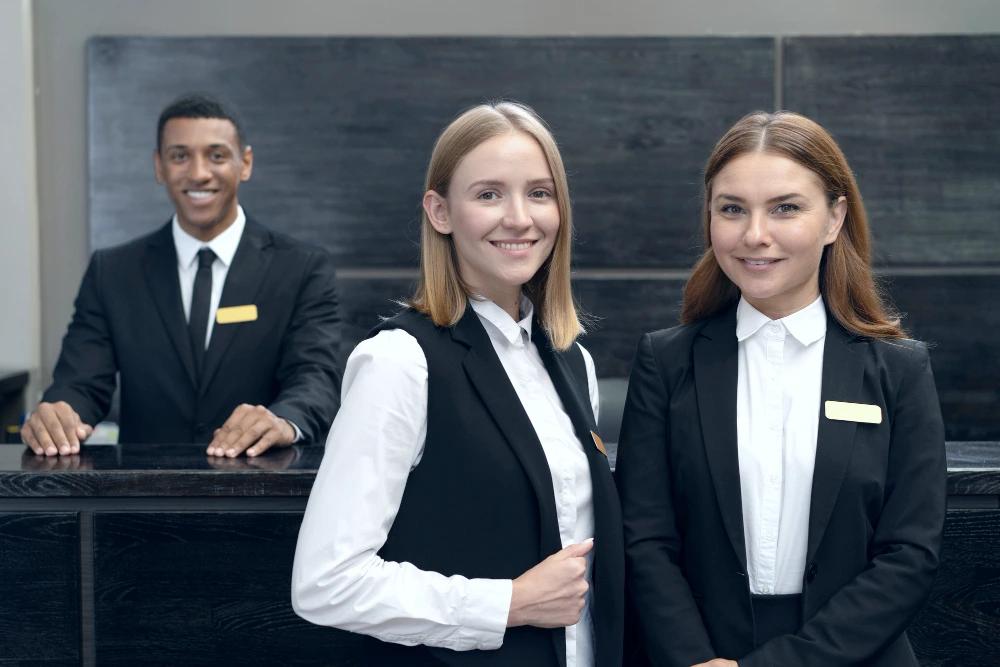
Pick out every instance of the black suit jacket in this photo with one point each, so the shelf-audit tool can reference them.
(129, 320)
(876, 514)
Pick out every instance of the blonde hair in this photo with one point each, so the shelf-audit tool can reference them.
(441, 293)
(845, 278)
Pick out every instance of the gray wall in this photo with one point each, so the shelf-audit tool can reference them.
(19, 294)
(61, 28)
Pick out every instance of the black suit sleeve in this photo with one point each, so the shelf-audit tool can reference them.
(84, 375)
(670, 623)
(309, 372)
(876, 606)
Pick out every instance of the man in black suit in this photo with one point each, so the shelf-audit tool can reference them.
(220, 330)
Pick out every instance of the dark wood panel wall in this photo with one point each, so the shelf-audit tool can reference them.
(342, 129)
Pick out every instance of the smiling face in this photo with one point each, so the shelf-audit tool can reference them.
(502, 214)
(770, 219)
(201, 165)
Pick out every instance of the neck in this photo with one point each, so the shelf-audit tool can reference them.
(509, 301)
(206, 233)
(776, 311)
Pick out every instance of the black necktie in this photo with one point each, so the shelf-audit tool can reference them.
(201, 301)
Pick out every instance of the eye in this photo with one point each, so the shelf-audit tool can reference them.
(540, 193)
(488, 195)
(731, 209)
(177, 156)
(787, 209)
(219, 156)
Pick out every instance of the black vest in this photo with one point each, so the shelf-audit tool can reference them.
(480, 503)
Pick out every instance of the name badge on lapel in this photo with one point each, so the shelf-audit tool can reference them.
(236, 314)
(599, 443)
(854, 412)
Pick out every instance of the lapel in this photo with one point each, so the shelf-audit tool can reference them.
(243, 281)
(609, 563)
(715, 374)
(160, 271)
(843, 370)
(487, 375)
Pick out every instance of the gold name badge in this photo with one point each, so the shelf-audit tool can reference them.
(854, 412)
(599, 443)
(236, 314)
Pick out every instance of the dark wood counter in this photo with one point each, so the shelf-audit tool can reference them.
(156, 554)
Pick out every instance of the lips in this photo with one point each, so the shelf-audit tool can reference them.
(513, 245)
(200, 195)
(759, 261)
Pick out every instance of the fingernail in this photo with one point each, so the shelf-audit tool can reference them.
(64, 450)
(231, 452)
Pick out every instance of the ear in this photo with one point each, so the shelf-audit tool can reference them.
(436, 208)
(838, 212)
(158, 167)
(247, 167)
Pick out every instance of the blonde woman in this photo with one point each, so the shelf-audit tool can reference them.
(464, 512)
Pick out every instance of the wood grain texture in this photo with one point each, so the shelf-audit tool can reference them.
(960, 625)
(342, 129)
(951, 314)
(39, 588)
(916, 119)
(202, 589)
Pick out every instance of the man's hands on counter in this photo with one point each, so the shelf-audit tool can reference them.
(55, 428)
(253, 429)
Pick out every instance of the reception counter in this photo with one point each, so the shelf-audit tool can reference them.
(157, 554)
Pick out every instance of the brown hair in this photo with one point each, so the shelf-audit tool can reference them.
(441, 293)
(845, 278)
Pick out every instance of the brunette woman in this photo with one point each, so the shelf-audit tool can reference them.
(464, 512)
(781, 464)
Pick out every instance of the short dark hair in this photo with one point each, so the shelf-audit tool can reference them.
(197, 106)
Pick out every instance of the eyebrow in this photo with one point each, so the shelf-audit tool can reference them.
(494, 184)
(210, 147)
(772, 200)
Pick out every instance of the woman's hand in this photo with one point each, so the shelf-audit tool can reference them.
(717, 662)
(551, 594)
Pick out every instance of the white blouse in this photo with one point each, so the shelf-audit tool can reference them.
(377, 438)
(777, 418)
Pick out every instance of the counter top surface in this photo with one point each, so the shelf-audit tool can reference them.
(185, 470)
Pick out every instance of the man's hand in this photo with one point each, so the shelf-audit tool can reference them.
(55, 428)
(717, 662)
(251, 428)
(551, 594)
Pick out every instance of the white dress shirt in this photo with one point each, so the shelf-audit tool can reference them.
(377, 438)
(777, 417)
(224, 246)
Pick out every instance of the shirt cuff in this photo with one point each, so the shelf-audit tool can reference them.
(486, 610)
(298, 431)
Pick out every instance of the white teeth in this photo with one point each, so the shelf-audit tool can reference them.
(199, 194)
(524, 245)
(758, 262)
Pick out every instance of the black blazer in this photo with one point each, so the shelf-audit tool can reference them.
(876, 513)
(129, 320)
(481, 503)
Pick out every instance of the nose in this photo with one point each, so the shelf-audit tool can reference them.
(199, 169)
(516, 214)
(757, 232)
